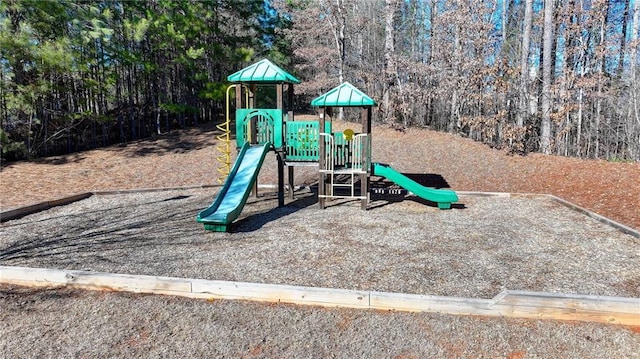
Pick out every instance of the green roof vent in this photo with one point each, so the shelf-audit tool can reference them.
(263, 71)
(345, 95)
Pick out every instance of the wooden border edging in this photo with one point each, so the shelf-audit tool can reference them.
(512, 304)
(574, 207)
(147, 190)
(619, 226)
(42, 206)
(484, 194)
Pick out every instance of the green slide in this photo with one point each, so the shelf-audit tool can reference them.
(231, 199)
(442, 197)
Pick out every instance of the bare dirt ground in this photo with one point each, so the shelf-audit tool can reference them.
(69, 323)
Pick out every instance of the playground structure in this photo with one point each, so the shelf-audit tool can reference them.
(343, 158)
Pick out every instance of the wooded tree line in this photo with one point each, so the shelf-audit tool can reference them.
(555, 76)
(81, 74)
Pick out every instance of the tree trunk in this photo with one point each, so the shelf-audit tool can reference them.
(600, 77)
(341, 48)
(4, 113)
(454, 116)
(523, 110)
(504, 21)
(132, 122)
(337, 24)
(547, 44)
(633, 119)
(453, 112)
(432, 29)
(389, 60)
(633, 53)
(623, 42)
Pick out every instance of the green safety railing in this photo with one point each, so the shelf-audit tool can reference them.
(301, 140)
(354, 154)
(345, 152)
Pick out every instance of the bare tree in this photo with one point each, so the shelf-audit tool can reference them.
(524, 64)
(390, 66)
(600, 58)
(547, 45)
(623, 37)
(467, 67)
(633, 58)
(633, 129)
(337, 24)
(315, 43)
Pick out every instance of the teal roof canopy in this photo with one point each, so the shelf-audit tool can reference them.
(263, 71)
(345, 95)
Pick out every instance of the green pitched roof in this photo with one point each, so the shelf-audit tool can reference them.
(263, 71)
(345, 95)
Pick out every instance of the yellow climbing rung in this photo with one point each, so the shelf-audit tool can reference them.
(224, 151)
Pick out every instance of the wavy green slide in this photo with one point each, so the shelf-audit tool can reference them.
(442, 197)
(231, 199)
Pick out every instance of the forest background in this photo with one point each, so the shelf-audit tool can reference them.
(550, 76)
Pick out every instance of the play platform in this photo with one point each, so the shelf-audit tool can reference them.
(343, 158)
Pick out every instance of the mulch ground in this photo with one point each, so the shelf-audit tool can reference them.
(485, 246)
(69, 323)
(188, 157)
(64, 323)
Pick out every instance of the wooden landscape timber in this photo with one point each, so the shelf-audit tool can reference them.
(43, 206)
(510, 304)
(602, 219)
(621, 227)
